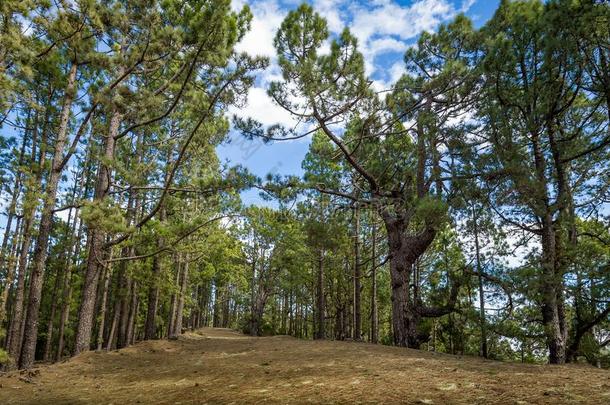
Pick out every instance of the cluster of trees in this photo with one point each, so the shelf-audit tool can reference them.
(122, 225)
(111, 112)
(497, 133)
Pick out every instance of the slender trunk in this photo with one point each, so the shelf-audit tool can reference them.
(46, 219)
(10, 270)
(551, 316)
(103, 305)
(49, 339)
(253, 329)
(14, 340)
(374, 310)
(65, 313)
(216, 308)
(482, 322)
(150, 328)
(181, 297)
(173, 305)
(320, 311)
(357, 278)
(14, 335)
(133, 311)
(226, 301)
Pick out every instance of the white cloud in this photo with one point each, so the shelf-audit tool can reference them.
(331, 10)
(267, 19)
(396, 71)
(261, 108)
(381, 26)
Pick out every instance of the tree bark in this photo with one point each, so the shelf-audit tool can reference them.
(173, 304)
(10, 270)
(551, 315)
(46, 220)
(321, 307)
(96, 237)
(103, 311)
(374, 310)
(404, 251)
(181, 297)
(357, 278)
(482, 322)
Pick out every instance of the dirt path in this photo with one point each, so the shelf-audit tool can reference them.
(221, 366)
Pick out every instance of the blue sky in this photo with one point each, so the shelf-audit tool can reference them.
(384, 28)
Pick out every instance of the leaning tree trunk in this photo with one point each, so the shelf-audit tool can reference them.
(30, 334)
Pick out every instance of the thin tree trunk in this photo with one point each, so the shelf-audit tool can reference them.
(14, 340)
(100, 330)
(180, 306)
(482, 323)
(133, 311)
(320, 310)
(49, 339)
(173, 305)
(28, 349)
(357, 276)
(10, 270)
(374, 311)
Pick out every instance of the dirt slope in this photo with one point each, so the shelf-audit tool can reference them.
(221, 366)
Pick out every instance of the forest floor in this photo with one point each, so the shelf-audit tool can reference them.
(222, 366)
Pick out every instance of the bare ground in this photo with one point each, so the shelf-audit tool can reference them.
(221, 366)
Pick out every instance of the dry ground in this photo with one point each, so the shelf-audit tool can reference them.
(221, 366)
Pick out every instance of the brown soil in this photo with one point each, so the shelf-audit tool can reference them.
(221, 366)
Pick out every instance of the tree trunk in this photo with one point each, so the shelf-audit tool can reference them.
(321, 308)
(46, 220)
(14, 336)
(482, 322)
(96, 237)
(551, 315)
(103, 305)
(357, 278)
(58, 282)
(133, 313)
(374, 310)
(10, 270)
(181, 297)
(173, 311)
(404, 252)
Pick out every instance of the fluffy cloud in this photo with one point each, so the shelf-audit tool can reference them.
(382, 27)
(267, 19)
(261, 108)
